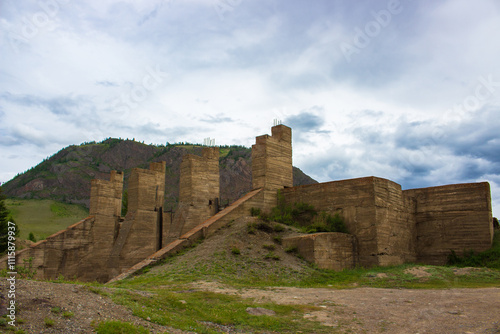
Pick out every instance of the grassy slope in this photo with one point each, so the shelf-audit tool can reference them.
(214, 260)
(173, 297)
(43, 217)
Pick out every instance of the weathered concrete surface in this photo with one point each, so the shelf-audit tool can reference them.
(199, 192)
(389, 226)
(454, 217)
(354, 200)
(333, 250)
(104, 244)
(106, 196)
(394, 226)
(272, 163)
(238, 209)
(63, 253)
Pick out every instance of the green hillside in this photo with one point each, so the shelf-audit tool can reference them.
(43, 217)
(66, 175)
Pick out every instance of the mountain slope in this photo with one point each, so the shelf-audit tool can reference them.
(66, 175)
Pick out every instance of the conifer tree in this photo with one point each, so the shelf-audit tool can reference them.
(4, 223)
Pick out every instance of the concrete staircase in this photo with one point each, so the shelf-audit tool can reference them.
(239, 208)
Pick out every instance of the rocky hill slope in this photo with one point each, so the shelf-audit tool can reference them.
(66, 175)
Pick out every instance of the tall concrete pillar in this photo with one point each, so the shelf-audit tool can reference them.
(198, 191)
(272, 163)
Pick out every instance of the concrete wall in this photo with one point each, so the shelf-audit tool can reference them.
(65, 252)
(198, 192)
(104, 244)
(106, 196)
(354, 200)
(140, 233)
(395, 224)
(335, 251)
(105, 206)
(272, 163)
(454, 217)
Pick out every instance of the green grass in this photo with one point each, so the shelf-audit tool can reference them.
(240, 271)
(56, 309)
(119, 327)
(68, 314)
(49, 322)
(196, 310)
(43, 217)
(171, 299)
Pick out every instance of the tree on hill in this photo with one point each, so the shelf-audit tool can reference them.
(4, 224)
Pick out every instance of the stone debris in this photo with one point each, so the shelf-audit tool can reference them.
(260, 311)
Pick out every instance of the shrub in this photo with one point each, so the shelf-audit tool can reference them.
(489, 258)
(291, 249)
(68, 314)
(325, 222)
(272, 256)
(255, 212)
(265, 227)
(49, 322)
(278, 239)
(303, 216)
(269, 247)
(278, 228)
(56, 309)
(235, 250)
(251, 228)
(31, 237)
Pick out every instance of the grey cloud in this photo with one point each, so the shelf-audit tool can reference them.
(416, 154)
(305, 121)
(219, 118)
(107, 83)
(151, 15)
(477, 137)
(58, 105)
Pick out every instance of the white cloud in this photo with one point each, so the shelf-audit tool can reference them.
(378, 114)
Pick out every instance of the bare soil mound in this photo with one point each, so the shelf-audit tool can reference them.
(247, 248)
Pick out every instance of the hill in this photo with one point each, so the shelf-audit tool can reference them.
(43, 217)
(66, 175)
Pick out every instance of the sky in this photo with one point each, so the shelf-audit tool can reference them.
(405, 90)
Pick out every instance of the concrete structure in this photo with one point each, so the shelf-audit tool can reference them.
(104, 244)
(272, 163)
(393, 226)
(387, 225)
(198, 192)
(334, 250)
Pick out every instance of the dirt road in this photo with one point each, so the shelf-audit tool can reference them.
(359, 310)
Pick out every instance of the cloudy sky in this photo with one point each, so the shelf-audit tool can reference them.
(405, 90)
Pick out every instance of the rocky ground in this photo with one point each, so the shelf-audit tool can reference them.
(358, 310)
(37, 301)
(370, 310)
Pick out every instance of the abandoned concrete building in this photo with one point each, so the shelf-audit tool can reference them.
(387, 225)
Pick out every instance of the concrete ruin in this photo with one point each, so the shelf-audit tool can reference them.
(387, 225)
